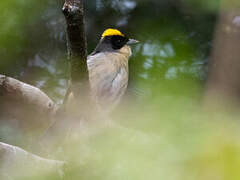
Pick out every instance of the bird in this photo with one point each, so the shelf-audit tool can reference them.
(108, 69)
(108, 79)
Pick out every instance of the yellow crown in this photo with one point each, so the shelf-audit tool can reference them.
(111, 32)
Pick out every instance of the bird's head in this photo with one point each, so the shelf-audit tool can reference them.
(113, 39)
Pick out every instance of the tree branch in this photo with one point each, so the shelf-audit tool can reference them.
(21, 101)
(16, 160)
(73, 11)
(223, 82)
(76, 101)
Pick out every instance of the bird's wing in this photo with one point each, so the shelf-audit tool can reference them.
(108, 79)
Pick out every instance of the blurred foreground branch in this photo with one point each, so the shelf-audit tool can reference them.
(28, 104)
(14, 160)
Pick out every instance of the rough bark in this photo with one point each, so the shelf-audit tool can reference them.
(28, 104)
(224, 67)
(73, 11)
(14, 160)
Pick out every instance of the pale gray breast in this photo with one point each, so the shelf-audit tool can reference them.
(108, 75)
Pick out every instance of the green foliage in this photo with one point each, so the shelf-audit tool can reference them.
(17, 17)
(205, 5)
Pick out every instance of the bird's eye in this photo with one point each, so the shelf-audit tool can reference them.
(119, 41)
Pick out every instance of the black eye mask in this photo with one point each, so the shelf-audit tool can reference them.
(118, 42)
(110, 43)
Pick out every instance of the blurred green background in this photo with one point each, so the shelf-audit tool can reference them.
(165, 134)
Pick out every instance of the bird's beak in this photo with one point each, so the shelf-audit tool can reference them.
(132, 41)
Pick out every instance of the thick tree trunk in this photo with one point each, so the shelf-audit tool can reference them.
(224, 82)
